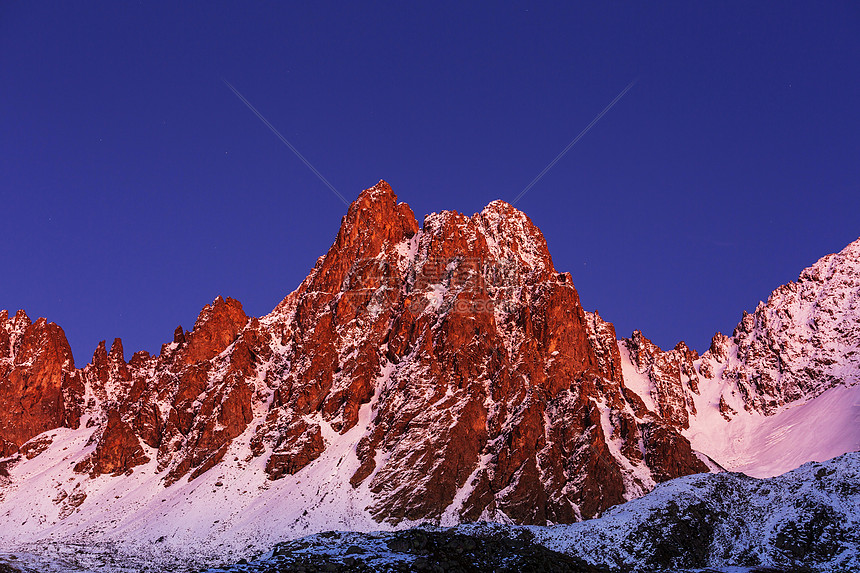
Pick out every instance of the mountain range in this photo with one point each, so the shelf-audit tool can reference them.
(440, 373)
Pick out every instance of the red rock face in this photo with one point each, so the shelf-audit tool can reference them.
(297, 446)
(188, 403)
(489, 379)
(39, 386)
(668, 453)
(117, 452)
(216, 328)
(461, 362)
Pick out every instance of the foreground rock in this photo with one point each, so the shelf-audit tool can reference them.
(805, 520)
(487, 549)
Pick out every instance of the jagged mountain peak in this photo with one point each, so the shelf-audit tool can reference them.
(845, 262)
(378, 228)
(499, 235)
(510, 233)
(116, 350)
(381, 188)
(19, 317)
(375, 223)
(376, 210)
(444, 373)
(380, 241)
(218, 309)
(458, 338)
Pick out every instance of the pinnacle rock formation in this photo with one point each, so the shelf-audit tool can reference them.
(39, 386)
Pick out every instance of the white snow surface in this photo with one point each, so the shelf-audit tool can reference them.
(764, 446)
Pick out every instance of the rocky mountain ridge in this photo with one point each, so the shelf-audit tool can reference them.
(804, 340)
(742, 402)
(443, 372)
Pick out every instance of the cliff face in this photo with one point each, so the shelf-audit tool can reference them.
(491, 395)
(39, 386)
(449, 365)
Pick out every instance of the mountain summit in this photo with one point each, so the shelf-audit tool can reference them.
(443, 372)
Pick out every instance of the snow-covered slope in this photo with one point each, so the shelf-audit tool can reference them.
(788, 377)
(802, 341)
(739, 437)
(133, 522)
(796, 433)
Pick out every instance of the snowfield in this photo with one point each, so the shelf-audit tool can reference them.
(765, 446)
(136, 523)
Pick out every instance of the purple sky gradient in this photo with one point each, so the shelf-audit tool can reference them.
(136, 187)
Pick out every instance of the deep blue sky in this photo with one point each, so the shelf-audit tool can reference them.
(136, 187)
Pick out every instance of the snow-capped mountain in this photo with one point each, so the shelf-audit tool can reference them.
(443, 372)
(782, 390)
